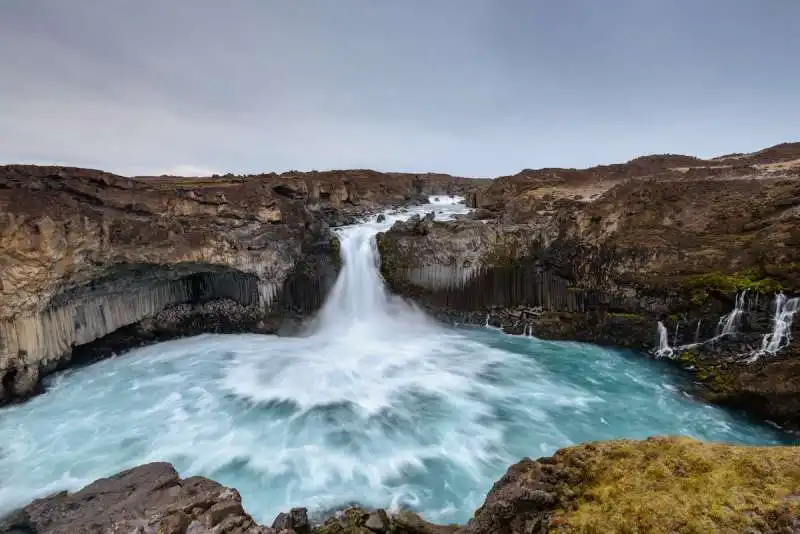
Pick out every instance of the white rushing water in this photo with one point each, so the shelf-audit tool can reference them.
(729, 324)
(778, 338)
(781, 334)
(663, 350)
(377, 404)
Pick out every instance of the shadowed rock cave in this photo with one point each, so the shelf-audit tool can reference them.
(141, 304)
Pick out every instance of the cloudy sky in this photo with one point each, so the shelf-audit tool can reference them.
(470, 87)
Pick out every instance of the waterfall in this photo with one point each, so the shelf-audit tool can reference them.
(697, 331)
(528, 331)
(781, 333)
(664, 350)
(359, 301)
(675, 337)
(729, 324)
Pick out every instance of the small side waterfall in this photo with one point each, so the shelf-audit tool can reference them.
(664, 350)
(729, 324)
(675, 336)
(781, 333)
(528, 331)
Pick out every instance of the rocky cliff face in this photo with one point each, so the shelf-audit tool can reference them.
(85, 253)
(91, 262)
(604, 254)
(342, 196)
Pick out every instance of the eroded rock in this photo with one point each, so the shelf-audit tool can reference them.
(151, 498)
(357, 520)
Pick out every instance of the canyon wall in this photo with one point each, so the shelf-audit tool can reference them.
(604, 254)
(91, 261)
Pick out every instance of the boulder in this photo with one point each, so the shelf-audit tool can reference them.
(151, 498)
(296, 520)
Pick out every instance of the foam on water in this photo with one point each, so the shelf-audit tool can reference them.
(377, 404)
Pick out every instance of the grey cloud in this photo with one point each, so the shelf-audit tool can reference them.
(473, 87)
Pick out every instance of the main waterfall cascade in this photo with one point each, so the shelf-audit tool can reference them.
(376, 404)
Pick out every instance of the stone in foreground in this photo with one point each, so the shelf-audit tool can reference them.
(659, 486)
(149, 499)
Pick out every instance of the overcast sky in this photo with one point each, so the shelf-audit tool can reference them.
(469, 87)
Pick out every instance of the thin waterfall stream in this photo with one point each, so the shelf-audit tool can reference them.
(376, 404)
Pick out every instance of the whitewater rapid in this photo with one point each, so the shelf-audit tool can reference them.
(376, 404)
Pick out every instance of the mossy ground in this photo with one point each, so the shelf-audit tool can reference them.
(666, 485)
(623, 315)
(751, 280)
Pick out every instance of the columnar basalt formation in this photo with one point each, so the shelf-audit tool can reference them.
(603, 254)
(85, 255)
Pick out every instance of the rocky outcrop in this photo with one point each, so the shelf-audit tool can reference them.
(92, 263)
(85, 253)
(360, 521)
(733, 375)
(659, 485)
(153, 499)
(150, 499)
(604, 254)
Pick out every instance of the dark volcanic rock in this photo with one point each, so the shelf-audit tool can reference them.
(356, 520)
(295, 520)
(148, 499)
(766, 386)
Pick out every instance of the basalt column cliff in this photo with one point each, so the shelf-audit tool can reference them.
(91, 262)
(619, 254)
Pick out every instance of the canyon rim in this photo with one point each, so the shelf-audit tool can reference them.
(695, 262)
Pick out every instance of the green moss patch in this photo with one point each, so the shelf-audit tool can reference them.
(751, 280)
(632, 316)
(666, 485)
